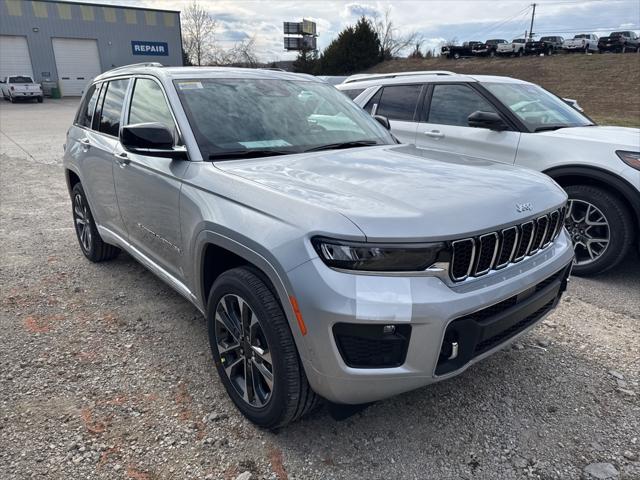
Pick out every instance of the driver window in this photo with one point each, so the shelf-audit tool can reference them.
(148, 104)
(452, 105)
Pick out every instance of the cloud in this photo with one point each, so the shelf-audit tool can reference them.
(435, 20)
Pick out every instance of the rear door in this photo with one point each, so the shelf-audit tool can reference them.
(148, 187)
(445, 127)
(94, 141)
(399, 103)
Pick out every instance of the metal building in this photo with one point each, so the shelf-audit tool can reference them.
(70, 42)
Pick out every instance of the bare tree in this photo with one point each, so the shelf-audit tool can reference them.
(198, 30)
(241, 54)
(392, 43)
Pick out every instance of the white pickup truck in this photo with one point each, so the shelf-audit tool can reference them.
(583, 42)
(21, 87)
(516, 47)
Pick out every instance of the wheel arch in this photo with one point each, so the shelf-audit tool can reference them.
(216, 253)
(596, 177)
(71, 177)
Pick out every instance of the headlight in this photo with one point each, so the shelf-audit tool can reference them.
(630, 158)
(378, 257)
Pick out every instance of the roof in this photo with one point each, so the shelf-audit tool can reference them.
(158, 70)
(401, 79)
(112, 5)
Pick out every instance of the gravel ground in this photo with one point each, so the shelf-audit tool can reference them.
(105, 372)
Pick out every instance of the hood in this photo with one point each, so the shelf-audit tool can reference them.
(402, 192)
(617, 137)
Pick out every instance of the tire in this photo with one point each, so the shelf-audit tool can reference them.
(550, 51)
(290, 396)
(623, 49)
(91, 244)
(456, 56)
(520, 53)
(11, 99)
(619, 229)
(40, 99)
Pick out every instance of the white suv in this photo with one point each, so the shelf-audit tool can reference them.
(517, 122)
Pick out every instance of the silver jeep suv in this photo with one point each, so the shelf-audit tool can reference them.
(329, 260)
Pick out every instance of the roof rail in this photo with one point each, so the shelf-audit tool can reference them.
(376, 76)
(143, 64)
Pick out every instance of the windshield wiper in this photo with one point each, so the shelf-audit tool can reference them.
(337, 146)
(546, 128)
(251, 153)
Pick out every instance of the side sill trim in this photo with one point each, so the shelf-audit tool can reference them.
(112, 237)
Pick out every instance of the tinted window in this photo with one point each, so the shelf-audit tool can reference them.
(452, 104)
(112, 107)
(399, 102)
(20, 80)
(148, 104)
(353, 93)
(85, 114)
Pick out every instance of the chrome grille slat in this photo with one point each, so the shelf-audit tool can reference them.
(506, 257)
(488, 245)
(477, 256)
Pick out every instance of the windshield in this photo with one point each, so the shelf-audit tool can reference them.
(537, 108)
(20, 80)
(232, 118)
(581, 36)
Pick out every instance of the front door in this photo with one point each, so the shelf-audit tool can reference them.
(148, 188)
(445, 126)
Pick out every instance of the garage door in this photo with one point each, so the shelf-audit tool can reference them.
(77, 62)
(14, 56)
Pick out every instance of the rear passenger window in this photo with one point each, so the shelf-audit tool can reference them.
(112, 107)
(398, 102)
(85, 113)
(452, 104)
(149, 105)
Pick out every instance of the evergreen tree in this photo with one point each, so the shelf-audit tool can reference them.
(355, 49)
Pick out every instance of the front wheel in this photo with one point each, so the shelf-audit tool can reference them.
(254, 350)
(40, 99)
(600, 227)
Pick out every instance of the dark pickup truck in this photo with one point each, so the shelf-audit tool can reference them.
(467, 49)
(546, 45)
(619, 42)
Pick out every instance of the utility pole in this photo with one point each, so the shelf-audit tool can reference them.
(533, 14)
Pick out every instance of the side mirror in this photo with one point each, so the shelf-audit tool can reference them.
(490, 120)
(152, 139)
(384, 121)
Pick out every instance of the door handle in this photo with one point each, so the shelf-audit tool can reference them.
(434, 134)
(86, 142)
(122, 158)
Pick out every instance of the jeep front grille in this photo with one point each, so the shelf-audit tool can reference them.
(477, 256)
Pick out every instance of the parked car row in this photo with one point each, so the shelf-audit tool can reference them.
(619, 42)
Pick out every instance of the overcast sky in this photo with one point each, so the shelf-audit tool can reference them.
(435, 20)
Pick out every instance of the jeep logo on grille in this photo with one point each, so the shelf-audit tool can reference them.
(524, 207)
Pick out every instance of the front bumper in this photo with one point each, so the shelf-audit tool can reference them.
(328, 298)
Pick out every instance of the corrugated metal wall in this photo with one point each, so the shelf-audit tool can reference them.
(113, 27)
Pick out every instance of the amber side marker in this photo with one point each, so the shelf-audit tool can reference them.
(296, 310)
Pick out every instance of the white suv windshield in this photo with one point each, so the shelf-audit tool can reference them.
(537, 108)
(234, 117)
